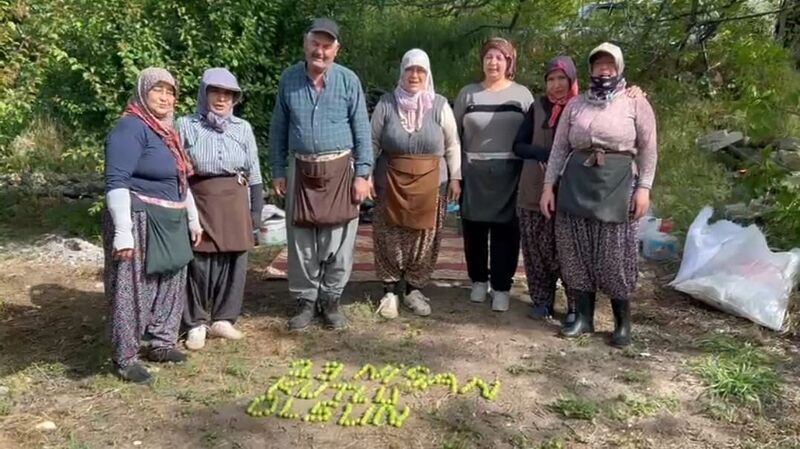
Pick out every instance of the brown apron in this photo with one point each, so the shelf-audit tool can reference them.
(323, 192)
(597, 185)
(224, 209)
(412, 190)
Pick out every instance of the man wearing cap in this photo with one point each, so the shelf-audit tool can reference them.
(321, 159)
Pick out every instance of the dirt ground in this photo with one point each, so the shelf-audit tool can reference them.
(54, 367)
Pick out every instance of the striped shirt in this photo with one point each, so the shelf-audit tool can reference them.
(307, 122)
(214, 153)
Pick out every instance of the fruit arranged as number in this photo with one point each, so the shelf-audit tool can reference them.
(383, 407)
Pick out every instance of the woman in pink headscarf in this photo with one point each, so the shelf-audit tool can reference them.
(417, 172)
(533, 142)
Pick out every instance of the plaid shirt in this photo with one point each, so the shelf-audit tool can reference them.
(307, 122)
(213, 153)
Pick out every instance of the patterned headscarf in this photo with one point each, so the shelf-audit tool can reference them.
(412, 107)
(222, 78)
(507, 49)
(603, 89)
(567, 66)
(163, 127)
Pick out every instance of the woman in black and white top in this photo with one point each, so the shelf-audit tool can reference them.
(488, 115)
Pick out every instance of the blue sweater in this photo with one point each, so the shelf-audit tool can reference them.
(138, 160)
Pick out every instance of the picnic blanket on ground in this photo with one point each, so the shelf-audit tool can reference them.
(451, 265)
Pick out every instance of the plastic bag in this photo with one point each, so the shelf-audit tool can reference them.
(731, 267)
(272, 231)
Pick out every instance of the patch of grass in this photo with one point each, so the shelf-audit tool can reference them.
(738, 371)
(518, 370)
(636, 377)
(736, 348)
(574, 407)
(520, 441)
(738, 380)
(5, 406)
(583, 340)
(625, 408)
(552, 444)
(721, 410)
(209, 439)
(236, 368)
(362, 310)
(459, 440)
(75, 443)
(633, 351)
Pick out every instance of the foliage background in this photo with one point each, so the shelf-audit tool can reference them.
(67, 68)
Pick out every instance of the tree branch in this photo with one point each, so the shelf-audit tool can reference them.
(510, 27)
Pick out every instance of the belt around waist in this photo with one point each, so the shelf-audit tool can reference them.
(322, 157)
(490, 156)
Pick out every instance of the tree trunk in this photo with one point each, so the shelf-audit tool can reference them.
(787, 28)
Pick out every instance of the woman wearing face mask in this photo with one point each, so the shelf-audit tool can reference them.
(488, 115)
(146, 228)
(606, 148)
(533, 144)
(418, 169)
(227, 189)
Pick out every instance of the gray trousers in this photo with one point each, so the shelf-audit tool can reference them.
(320, 259)
(216, 288)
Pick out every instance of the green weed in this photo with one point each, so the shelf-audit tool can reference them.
(574, 407)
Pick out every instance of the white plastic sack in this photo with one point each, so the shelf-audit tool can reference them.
(732, 268)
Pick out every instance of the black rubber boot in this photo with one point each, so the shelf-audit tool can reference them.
(135, 373)
(584, 319)
(304, 317)
(164, 355)
(622, 322)
(330, 312)
(572, 313)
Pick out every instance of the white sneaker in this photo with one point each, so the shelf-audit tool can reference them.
(479, 291)
(224, 329)
(500, 301)
(196, 339)
(388, 306)
(418, 303)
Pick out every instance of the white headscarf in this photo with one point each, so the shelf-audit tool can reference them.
(412, 107)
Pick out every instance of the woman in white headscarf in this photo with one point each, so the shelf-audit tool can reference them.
(418, 169)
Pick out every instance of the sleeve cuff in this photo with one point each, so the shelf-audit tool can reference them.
(363, 171)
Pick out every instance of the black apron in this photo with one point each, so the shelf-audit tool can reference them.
(597, 185)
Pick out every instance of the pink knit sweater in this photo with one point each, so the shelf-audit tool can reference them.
(624, 125)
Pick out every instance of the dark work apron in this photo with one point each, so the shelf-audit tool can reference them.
(597, 185)
(490, 190)
(323, 192)
(168, 246)
(224, 209)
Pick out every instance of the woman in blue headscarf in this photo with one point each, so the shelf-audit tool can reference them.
(227, 189)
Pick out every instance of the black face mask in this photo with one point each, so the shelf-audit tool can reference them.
(603, 87)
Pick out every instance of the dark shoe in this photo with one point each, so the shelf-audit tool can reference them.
(163, 355)
(622, 322)
(304, 318)
(540, 312)
(572, 313)
(330, 312)
(569, 318)
(135, 373)
(584, 320)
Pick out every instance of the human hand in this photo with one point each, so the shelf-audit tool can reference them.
(279, 184)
